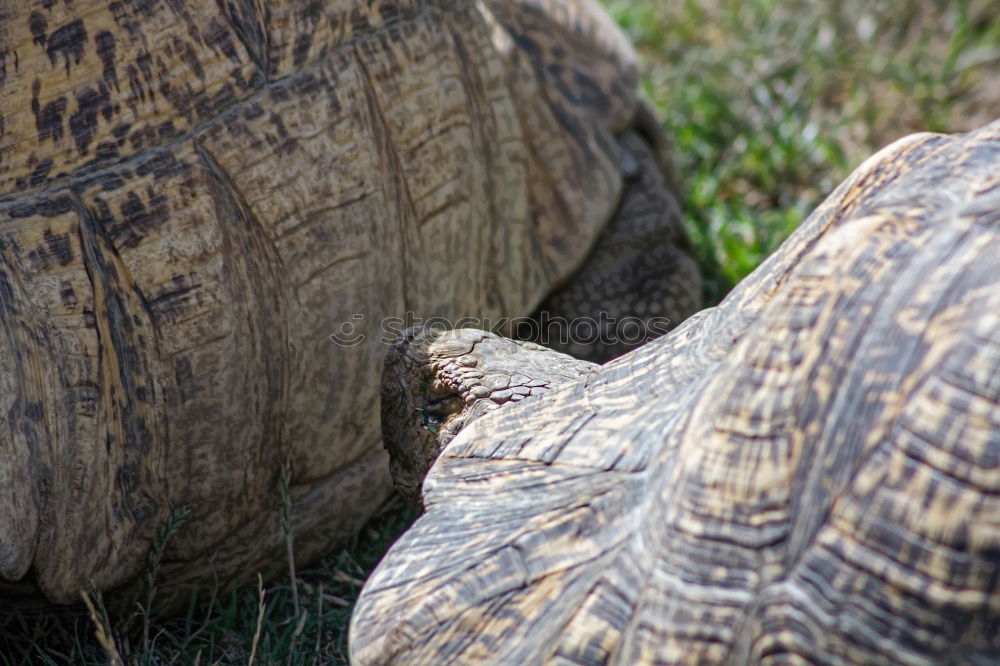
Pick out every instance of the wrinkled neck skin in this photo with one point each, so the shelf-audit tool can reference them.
(435, 382)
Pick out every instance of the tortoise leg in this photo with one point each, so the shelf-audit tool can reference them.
(435, 382)
(638, 281)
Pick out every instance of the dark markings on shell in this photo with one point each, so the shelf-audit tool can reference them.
(105, 43)
(91, 101)
(41, 172)
(57, 250)
(69, 42)
(118, 327)
(48, 118)
(38, 26)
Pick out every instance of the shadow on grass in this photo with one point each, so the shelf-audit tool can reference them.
(281, 622)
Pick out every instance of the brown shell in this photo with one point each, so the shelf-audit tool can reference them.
(195, 195)
(808, 473)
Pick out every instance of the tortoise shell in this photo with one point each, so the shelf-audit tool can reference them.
(195, 196)
(808, 473)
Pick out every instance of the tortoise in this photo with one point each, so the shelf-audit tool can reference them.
(807, 473)
(207, 210)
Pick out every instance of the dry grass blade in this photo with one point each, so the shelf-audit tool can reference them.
(286, 524)
(342, 577)
(336, 601)
(319, 619)
(260, 619)
(102, 629)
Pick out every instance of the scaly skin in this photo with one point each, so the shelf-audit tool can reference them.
(435, 382)
(639, 280)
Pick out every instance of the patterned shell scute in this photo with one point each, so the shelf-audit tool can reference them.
(809, 472)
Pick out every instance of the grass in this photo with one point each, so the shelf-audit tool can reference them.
(298, 623)
(769, 105)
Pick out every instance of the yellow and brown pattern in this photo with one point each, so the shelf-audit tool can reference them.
(807, 473)
(195, 195)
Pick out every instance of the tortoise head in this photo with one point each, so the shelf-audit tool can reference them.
(436, 382)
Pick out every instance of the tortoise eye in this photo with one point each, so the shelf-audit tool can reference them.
(444, 407)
